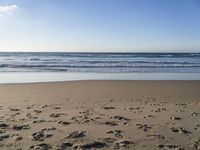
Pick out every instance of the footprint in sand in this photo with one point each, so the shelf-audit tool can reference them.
(64, 146)
(108, 140)
(56, 107)
(86, 118)
(30, 116)
(15, 114)
(77, 134)
(110, 123)
(196, 144)
(124, 143)
(144, 127)
(64, 122)
(20, 127)
(169, 147)
(3, 125)
(149, 116)
(29, 107)
(45, 106)
(175, 118)
(4, 136)
(49, 129)
(156, 136)
(121, 118)
(197, 127)
(194, 114)
(183, 105)
(37, 111)
(18, 138)
(2, 131)
(109, 107)
(158, 110)
(56, 115)
(14, 109)
(41, 146)
(125, 120)
(41, 135)
(92, 145)
(180, 130)
(38, 121)
(116, 133)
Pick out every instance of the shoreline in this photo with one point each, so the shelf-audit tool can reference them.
(75, 81)
(106, 114)
(62, 77)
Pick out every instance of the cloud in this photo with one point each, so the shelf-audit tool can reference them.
(7, 10)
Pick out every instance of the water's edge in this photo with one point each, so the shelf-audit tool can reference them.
(57, 77)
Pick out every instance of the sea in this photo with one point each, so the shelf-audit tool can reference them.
(85, 66)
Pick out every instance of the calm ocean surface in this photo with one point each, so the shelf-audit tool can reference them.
(47, 67)
(101, 62)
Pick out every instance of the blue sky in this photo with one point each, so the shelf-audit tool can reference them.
(100, 25)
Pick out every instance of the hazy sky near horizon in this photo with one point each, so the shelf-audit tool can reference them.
(100, 25)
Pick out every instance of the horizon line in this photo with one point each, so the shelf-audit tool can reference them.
(96, 52)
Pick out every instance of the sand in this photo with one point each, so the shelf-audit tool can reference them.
(143, 115)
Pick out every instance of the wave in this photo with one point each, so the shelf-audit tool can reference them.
(143, 65)
(100, 62)
(43, 59)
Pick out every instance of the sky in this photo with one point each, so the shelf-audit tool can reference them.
(100, 25)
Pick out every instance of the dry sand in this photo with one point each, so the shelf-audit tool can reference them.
(147, 115)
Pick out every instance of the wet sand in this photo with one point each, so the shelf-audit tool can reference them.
(143, 115)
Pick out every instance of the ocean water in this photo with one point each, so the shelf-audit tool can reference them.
(100, 62)
(21, 67)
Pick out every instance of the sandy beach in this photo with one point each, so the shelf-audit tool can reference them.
(143, 115)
